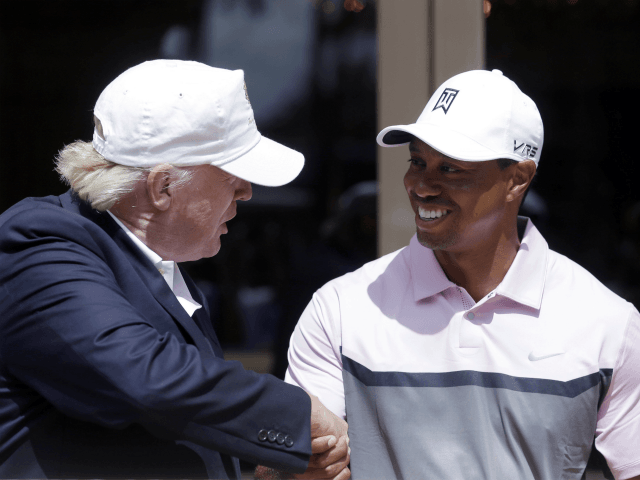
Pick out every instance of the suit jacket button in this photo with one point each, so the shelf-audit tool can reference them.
(280, 438)
(262, 435)
(288, 441)
(272, 435)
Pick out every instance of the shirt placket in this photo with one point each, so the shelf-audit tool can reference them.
(470, 334)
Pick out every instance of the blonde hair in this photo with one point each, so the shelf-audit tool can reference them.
(98, 181)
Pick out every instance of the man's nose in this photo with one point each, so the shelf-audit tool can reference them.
(243, 191)
(427, 186)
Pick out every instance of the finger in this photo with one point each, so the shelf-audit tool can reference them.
(345, 474)
(322, 444)
(330, 472)
(331, 456)
(341, 427)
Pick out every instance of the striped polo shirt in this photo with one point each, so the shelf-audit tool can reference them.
(435, 385)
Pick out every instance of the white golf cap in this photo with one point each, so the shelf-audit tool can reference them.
(476, 116)
(187, 113)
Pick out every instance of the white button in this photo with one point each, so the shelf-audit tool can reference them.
(496, 71)
(471, 315)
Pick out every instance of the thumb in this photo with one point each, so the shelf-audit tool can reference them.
(324, 422)
(322, 444)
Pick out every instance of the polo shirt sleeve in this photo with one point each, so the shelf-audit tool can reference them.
(315, 361)
(618, 428)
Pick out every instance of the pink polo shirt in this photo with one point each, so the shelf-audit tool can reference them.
(436, 385)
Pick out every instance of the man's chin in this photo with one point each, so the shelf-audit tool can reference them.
(213, 250)
(435, 242)
(206, 252)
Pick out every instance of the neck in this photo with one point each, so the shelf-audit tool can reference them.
(140, 218)
(481, 269)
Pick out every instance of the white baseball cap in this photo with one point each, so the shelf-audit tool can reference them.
(187, 113)
(476, 116)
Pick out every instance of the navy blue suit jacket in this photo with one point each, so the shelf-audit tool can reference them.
(104, 375)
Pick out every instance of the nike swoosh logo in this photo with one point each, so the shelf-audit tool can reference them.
(534, 358)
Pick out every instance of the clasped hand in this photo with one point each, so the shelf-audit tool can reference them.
(329, 449)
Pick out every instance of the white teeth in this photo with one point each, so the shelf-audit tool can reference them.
(430, 214)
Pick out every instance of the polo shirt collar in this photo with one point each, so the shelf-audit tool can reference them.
(523, 283)
(427, 274)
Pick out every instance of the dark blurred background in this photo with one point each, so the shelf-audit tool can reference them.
(310, 70)
(310, 73)
(580, 62)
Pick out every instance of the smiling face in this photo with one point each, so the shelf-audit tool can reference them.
(201, 209)
(458, 205)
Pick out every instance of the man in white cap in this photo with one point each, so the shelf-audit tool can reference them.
(110, 367)
(475, 352)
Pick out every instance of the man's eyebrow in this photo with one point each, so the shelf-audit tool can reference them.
(413, 148)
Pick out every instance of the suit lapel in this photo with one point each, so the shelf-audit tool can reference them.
(202, 316)
(145, 269)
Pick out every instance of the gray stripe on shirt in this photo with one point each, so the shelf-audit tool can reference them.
(473, 431)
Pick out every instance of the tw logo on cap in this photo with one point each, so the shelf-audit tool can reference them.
(524, 149)
(446, 99)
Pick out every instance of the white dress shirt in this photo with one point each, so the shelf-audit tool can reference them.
(168, 269)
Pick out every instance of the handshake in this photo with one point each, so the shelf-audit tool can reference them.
(329, 447)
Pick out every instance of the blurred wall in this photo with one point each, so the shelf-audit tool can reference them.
(421, 43)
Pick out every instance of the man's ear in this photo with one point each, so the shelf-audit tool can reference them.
(159, 183)
(521, 177)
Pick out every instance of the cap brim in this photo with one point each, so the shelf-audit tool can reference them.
(448, 142)
(268, 163)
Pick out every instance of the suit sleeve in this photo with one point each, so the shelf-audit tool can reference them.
(315, 361)
(618, 429)
(68, 331)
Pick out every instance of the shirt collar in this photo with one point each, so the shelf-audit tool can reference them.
(168, 269)
(523, 283)
(427, 274)
(150, 254)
